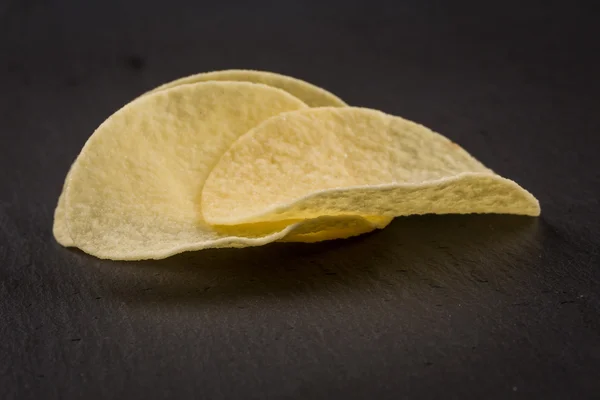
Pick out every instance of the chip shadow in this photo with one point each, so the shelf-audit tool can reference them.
(413, 254)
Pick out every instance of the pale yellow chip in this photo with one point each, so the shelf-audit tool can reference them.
(351, 161)
(310, 94)
(134, 191)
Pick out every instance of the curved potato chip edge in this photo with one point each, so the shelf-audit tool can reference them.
(190, 79)
(302, 227)
(272, 213)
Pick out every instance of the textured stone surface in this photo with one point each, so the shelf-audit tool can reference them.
(430, 307)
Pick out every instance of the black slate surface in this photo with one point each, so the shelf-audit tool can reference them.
(490, 307)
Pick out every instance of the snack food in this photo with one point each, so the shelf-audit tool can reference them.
(134, 190)
(310, 94)
(214, 160)
(352, 161)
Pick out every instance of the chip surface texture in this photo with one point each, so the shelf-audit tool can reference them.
(134, 190)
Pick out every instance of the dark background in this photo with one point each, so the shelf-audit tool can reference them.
(462, 307)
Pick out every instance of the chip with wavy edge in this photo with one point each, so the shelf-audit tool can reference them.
(351, 161)
(312, 95)
(133, 192)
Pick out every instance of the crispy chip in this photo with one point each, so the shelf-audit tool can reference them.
(351, 161)
(134, 190)
(310, 94)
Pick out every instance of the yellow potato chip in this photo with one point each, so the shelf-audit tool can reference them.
(310, 94)
(351, 161)
(134, 190)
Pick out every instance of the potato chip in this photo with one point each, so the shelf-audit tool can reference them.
(134, 190)
(351, 161)
(312, 95)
